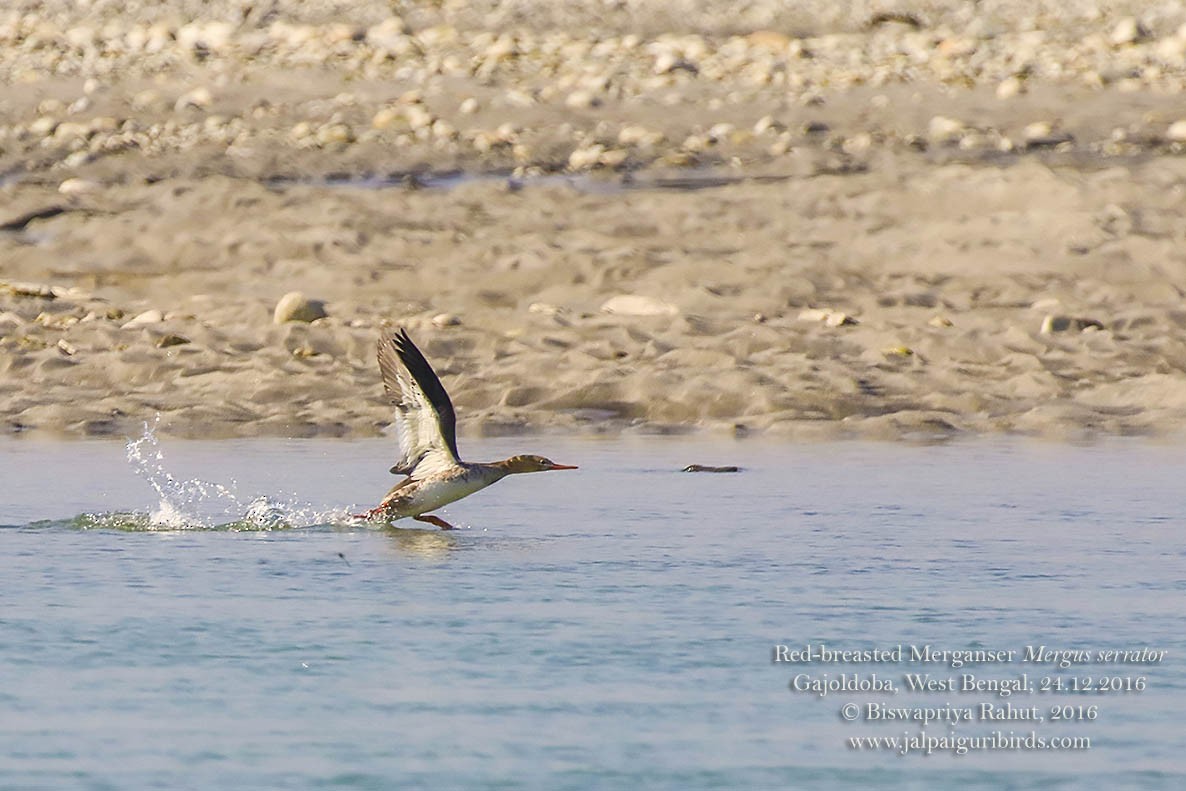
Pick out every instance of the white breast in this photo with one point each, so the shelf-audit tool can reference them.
(434, 494)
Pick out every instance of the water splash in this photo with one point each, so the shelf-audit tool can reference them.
(195, 504)
(177, 498)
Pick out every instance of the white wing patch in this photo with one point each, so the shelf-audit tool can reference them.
(424, 449)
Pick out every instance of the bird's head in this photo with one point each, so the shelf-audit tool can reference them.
(516, 464)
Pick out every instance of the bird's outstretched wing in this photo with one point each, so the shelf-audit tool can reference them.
(424, 417)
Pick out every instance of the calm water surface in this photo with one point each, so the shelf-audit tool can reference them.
(607, 628)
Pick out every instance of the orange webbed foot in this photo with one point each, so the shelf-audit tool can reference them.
(434, 520)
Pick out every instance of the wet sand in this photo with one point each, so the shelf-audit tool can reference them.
(920, 224)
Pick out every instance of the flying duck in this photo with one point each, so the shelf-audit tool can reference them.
(427, 429)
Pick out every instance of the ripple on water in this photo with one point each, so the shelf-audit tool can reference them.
(616, 633)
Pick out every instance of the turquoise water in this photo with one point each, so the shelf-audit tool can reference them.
(161, 627)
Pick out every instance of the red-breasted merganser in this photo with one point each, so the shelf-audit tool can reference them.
(426, 426)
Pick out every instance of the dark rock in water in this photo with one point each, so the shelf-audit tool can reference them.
(709, 468)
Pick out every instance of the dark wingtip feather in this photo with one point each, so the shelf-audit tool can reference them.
(388, 354)
(414, 361)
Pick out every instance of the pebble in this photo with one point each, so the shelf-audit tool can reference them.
(772, 40)
(165, 341)
(77, 186)
(56, 321)
(1057, 323)
(145, 99)
(943, 130)
(766, 124)
(635, 135)
(334, 135)
(1042, 134)
(1010, 87)
(197, 99)
(68, 131)
(720, 132)
(387, 117)
(77, 159)
(213, 36)
(669, 62)
(831, 318)
(304, 352)
(638, 305)
(36, 290)
(43, 126)
(613, 158)
(860, 144)
(1128, 31)
(586, 157)
(152, 316)
(294, 306)
(1176, 133)
(582, 100)
(446, 320)
(390, 37)
(418, 116)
